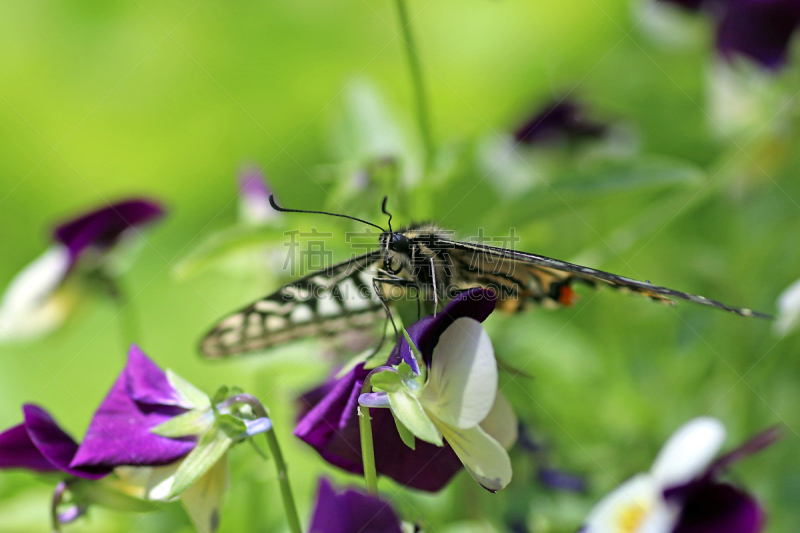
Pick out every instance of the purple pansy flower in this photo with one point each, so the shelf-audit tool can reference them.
(39, 298)
(39, 444)
(562, 121)
(692, 5)
(681, 493)
(254, 207)
(331, 426)
(350, 511)
(101, 229)
(119, 433)
(759, 29)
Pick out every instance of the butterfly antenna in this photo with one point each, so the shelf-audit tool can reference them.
(385, 212)
(276, 207)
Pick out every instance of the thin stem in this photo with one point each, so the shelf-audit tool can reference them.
(365, 429)
(289, 506)
(260, 411)
(417, 81)
(367, 450)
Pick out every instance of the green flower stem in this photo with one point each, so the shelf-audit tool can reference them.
(367, 447)
(289, 506)
(58, 496)
(365, 429)
(418, 84)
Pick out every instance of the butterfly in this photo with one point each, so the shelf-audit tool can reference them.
(422, 262)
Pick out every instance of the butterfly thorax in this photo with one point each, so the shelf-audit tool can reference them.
(418, 254)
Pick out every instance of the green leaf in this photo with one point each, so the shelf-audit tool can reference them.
(386, 381)
(188, 392)
(233, 427)
(196, 422)
(409, 411)
(201, 459)
(405, 434)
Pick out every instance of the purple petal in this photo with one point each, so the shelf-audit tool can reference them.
(119, 433)
(101, 228)
(147, 384)
(759, 29)
(54, 444)
(252, 184)
(709, 507)
(17, 450)
(331, 428)
(351, 511)
(306, 401)
(754, 445)
(692, 5)
(254, 206)
(475, 303)
(562, 120)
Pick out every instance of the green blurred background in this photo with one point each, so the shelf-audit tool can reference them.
(101, 100)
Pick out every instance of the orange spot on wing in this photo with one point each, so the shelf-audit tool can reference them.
(567, 296)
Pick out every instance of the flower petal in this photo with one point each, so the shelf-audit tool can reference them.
(474, 303)
(203, 499)
(119, 433)
(716, 508)
(761, 30)
(54, 444)
(30, 306)
(688, 451)
(484, 458)
(635, 506)
(331, 428)
(102, 228)
(788, 310)
(462, 384)
(147, 384)
(501, 422)
(351, 511)
(254, 207)
(17, 450)
(559, 121)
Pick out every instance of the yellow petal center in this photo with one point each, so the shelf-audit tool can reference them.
(631, 517)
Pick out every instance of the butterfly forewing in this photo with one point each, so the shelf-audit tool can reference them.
(543, 279)
(320, 304)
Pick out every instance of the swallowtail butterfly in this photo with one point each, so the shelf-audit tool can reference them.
(421, 259)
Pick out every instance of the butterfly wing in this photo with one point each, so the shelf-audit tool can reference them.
(520, 276)
(323, 303)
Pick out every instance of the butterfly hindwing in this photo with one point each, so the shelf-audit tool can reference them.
(319, 304)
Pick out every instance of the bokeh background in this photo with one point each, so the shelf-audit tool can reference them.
(693, 186)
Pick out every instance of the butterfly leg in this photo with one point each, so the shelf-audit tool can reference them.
(383, 339)
(396, 281)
